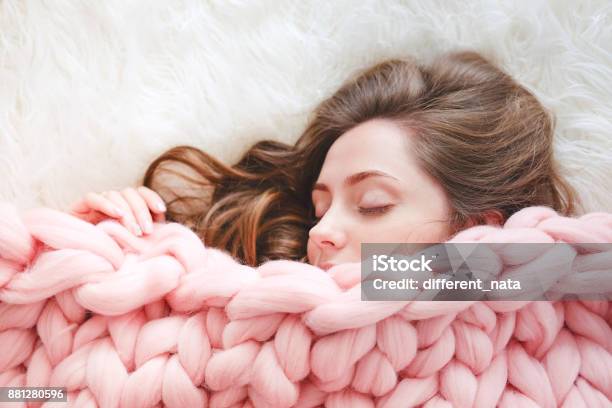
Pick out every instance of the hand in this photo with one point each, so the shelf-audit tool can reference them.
(137, 208)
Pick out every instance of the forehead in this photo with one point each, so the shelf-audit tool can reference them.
(374, 145)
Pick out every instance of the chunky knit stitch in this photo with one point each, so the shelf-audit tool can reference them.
(161, 320)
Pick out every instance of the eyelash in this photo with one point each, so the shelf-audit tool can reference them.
(375, 210)
(366, 211)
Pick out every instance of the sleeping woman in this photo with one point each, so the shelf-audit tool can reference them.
(402, 152)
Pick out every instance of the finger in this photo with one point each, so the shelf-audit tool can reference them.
(154, 201)
(159, 217)
(139, 208)
(128, 218)
(95, 217)
(80, 206)
(100, 203)
(92, 216)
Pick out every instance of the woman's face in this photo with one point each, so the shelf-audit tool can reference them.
(370, 189)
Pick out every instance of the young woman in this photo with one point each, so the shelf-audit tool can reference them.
(402, 152)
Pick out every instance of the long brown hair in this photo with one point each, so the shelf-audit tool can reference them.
(483, 136)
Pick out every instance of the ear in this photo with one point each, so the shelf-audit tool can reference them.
(493, 217)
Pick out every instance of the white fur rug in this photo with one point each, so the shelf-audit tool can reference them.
(91, 92)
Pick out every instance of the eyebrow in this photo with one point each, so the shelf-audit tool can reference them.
(356, 178)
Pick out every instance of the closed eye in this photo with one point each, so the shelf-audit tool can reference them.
(375, 210)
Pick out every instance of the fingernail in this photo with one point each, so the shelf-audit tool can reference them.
(148, 227)
(137, 230)
(161, 207)
(118, 212)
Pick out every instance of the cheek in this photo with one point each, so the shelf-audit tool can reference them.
(409, 226)
(434, 232)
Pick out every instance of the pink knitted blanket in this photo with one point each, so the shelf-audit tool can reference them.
(125, 321)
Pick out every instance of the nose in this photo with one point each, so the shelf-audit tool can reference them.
(328, 234)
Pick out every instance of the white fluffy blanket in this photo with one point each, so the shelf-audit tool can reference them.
(91, 92)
